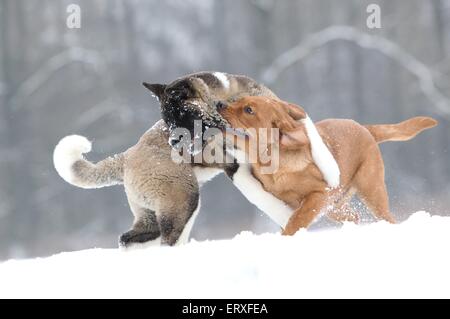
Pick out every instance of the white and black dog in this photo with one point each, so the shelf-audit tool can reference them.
(197, 97)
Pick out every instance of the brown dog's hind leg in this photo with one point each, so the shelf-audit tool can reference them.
(342, 210)
(371, 188)
(346, 213)
(145, 226)
(302, 217)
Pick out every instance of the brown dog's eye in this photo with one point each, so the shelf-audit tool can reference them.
(248, 110)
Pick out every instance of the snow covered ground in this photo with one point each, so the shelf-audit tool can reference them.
(378, 260)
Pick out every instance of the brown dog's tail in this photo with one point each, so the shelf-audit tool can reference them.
(402, 131)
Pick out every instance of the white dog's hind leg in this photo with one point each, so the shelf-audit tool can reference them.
(136, 246)
(145, 227)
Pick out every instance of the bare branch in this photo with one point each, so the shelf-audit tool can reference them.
(95, 113)
(263, 5)
(52, 65)
(392, 50)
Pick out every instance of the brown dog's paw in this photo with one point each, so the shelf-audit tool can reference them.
(289, 231)
(345, 214)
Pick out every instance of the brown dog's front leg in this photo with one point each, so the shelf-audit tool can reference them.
(304, 215)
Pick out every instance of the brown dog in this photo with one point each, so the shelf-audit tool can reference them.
(306, 171)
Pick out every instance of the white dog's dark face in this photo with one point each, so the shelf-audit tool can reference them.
(189, 99)
(198, 96)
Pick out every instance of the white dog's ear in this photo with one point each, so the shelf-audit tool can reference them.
(156, 89)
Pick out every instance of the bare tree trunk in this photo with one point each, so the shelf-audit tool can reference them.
(7, 128)
(20, 190)
(439, 27)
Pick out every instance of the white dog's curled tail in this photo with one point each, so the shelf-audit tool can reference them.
(76, 170)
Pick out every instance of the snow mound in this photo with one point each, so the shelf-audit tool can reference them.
(379, 261)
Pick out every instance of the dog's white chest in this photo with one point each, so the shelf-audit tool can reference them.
(252, 189)
(205, 174)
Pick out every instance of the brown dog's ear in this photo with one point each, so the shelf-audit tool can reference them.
(294, 139)
(292, 132)
(295, 111)
(156, 89)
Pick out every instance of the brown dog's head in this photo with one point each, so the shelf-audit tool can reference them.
(257, 112)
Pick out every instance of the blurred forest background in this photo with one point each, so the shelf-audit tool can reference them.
(55, 81)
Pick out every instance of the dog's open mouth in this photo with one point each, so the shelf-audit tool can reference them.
(194, 142)
(191, 123)
(238, 132)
